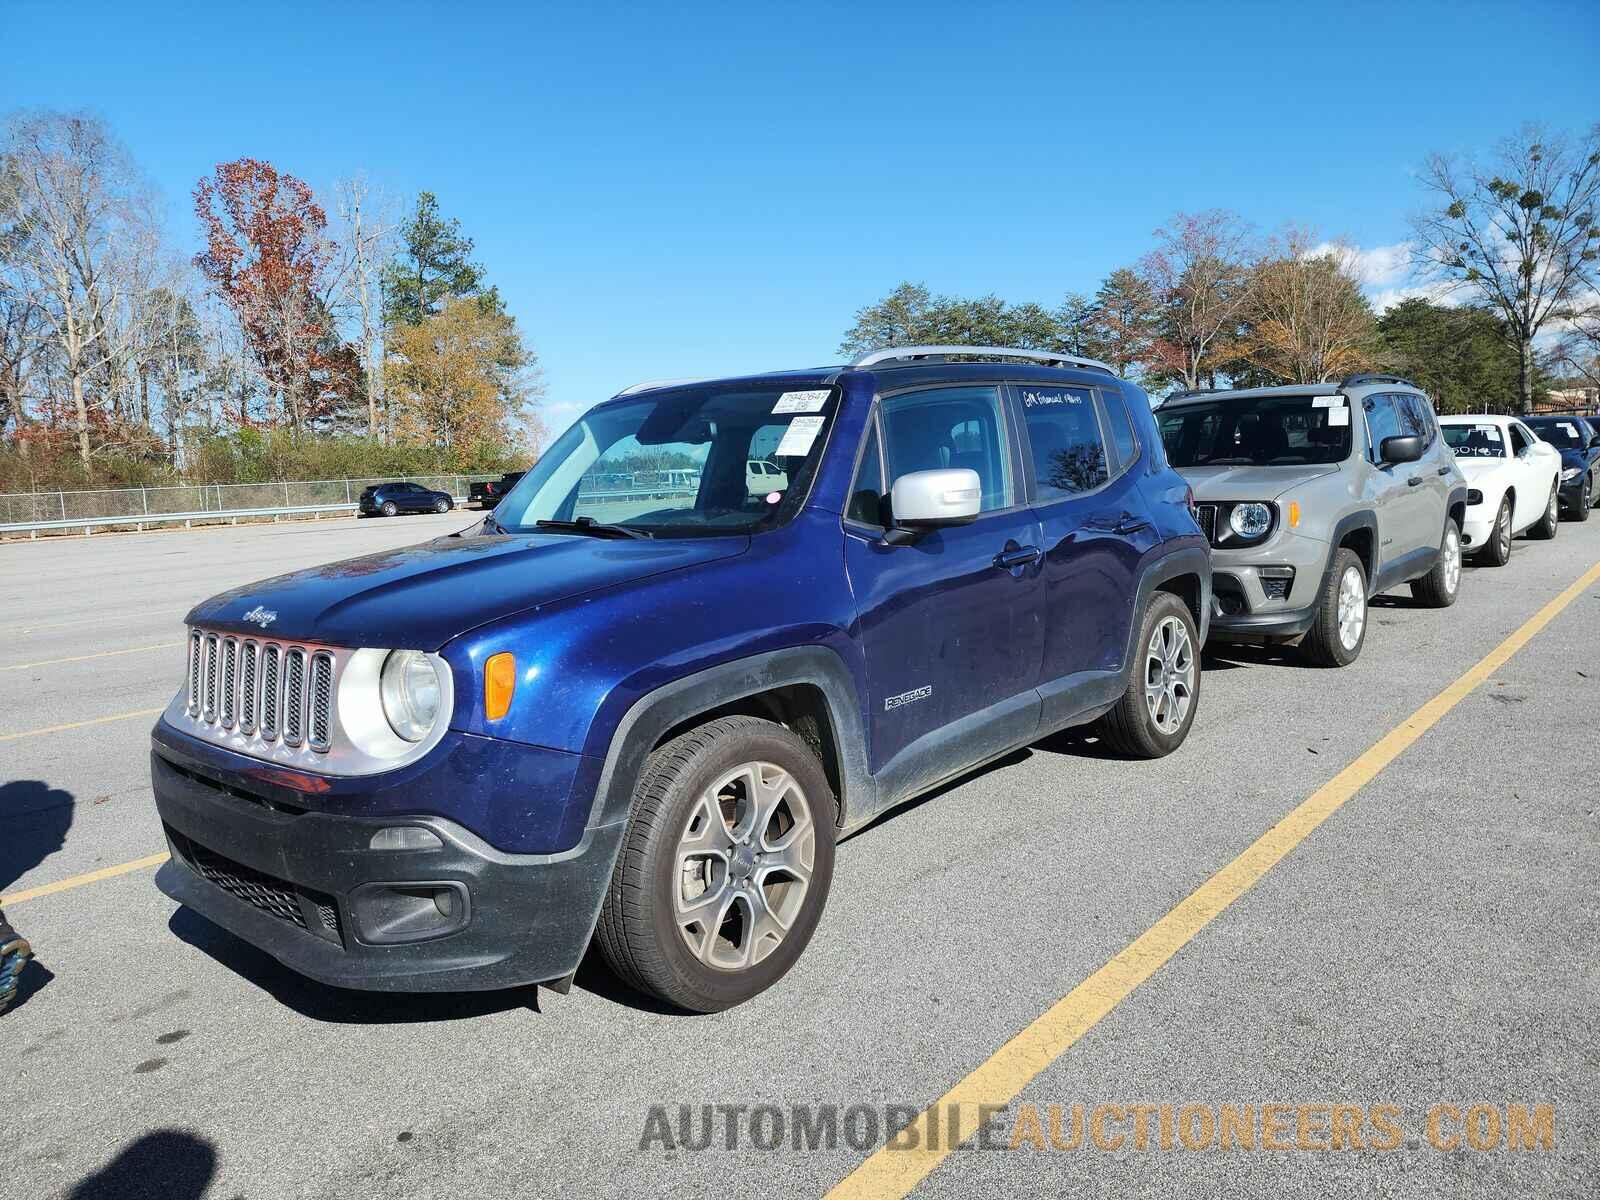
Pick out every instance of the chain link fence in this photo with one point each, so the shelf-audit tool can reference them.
(219, 499)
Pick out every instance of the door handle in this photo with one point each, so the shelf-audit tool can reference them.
(1121, 525)
(1442, 471)
(1414, 481)
(1018, 556)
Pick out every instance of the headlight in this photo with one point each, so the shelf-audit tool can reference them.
(1250, 521)
(410, 690)
(1570, 473)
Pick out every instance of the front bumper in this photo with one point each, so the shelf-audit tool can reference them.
(306, 886)
(1572, 493)
(1245, 583)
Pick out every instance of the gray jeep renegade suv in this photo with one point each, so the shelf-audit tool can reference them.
(1315, 497)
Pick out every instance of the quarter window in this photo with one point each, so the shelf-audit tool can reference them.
(949, 428)
(1069, 450)
(866, 494)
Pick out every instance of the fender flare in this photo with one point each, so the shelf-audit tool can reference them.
(1188, 560)
(1350, 523)
(672, 703)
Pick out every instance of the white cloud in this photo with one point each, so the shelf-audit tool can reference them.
(1378, 267)
(1384, 299)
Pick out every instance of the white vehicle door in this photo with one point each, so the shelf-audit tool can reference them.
(1532, 474)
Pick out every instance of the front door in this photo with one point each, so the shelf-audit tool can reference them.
(950, 623)
(1402, 500)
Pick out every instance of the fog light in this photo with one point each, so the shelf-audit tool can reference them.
(386, 913)
(406, 837)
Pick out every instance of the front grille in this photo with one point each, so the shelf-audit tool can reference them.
(1205, 516)
(268, 691)
(274, 896)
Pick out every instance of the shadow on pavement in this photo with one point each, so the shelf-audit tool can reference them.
(34, 819)
(340, 1006)
(165, 1165)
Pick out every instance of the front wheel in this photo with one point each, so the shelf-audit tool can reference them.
(1155, 712)
(390, 508)
(1551, 521)
(442, 506)
(1340, 625)
(1497, 550)
(1439, 587)
(1580, 511)
(725, 867)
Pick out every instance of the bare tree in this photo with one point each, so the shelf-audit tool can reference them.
(1306, 318)
(1198, 274)
(369, 228)
(90, 229)
(1517, 234)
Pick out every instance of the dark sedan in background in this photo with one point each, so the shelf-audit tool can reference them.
(1579, 443)
(390, 499)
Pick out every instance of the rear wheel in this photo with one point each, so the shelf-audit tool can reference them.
(1497, 550)
(1155, 712)
(1551, 521)
(725, 866)
(1439, 587)
(1340, 626)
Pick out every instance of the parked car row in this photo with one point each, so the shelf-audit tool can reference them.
(644, 726)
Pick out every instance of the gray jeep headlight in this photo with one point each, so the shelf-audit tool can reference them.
(409, 687)
(1250, 521)
(1570, 473)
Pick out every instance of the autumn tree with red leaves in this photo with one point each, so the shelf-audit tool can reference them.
(268, 259)
(1199, 275)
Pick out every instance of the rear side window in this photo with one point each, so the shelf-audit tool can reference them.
(1068, 447)
(949, 428)
(1383, 421)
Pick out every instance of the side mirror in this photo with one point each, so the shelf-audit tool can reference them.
(925, 500)
(1403, 449)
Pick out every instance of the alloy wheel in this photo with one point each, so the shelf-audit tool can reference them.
(744, 864)
(1502, 531)
(1352, 609)
(1169, 675)
(1452, 558)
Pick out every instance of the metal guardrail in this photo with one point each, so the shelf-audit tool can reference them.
(33, 513)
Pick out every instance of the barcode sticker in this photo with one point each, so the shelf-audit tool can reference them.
(1338, 416)
(801, 402)
(798, 437)
(1328, 402)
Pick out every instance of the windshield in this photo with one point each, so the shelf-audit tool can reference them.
(689, 462)
(1567, 432)
(1260, 431)
(1474, 441)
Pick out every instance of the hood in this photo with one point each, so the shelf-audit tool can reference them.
(1251, 483)
(419, 597)
(1477, 468)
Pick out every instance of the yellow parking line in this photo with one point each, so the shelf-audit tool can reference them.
(895, 1172)
(141, 712)
(77, 881)
(52, 662)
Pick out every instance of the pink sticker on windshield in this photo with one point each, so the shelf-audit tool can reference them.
(774, 497)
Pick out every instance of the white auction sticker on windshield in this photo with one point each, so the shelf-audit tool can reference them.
(1338, 416)
(1572, 430)
(798, 437)
(1328, 402)
(1492, 432)
(801, 402)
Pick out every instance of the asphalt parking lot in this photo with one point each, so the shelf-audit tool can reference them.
(1431, 943)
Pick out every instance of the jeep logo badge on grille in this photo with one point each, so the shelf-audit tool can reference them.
(261, 616)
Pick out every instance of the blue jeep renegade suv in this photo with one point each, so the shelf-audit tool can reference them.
(640, 704)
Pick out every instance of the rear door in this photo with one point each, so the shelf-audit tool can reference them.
(1079, 453)
(949, 623)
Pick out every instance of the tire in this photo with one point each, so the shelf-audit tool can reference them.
(1551, 521)
(14, 955)
(1142, 725)
(390, 508)
(443, 506)
(645, 935)
(1496, 551)
(1580, 511)
(1335, 638)
(1440, 586)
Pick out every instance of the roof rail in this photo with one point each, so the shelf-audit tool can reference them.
(1374, 377)
(1185, 393)
(651, 384)
(1047, 357)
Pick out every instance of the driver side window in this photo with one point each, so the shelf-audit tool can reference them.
(1383, 421)
(949, 428)
(1520, 439)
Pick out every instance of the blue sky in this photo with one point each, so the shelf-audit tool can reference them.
(692, 189)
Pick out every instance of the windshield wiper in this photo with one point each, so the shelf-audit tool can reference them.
(591, 527)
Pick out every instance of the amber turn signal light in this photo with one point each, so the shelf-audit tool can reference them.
(499, 681)
(1294, 514)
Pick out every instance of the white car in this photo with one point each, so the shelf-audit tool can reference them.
(1513, 477)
